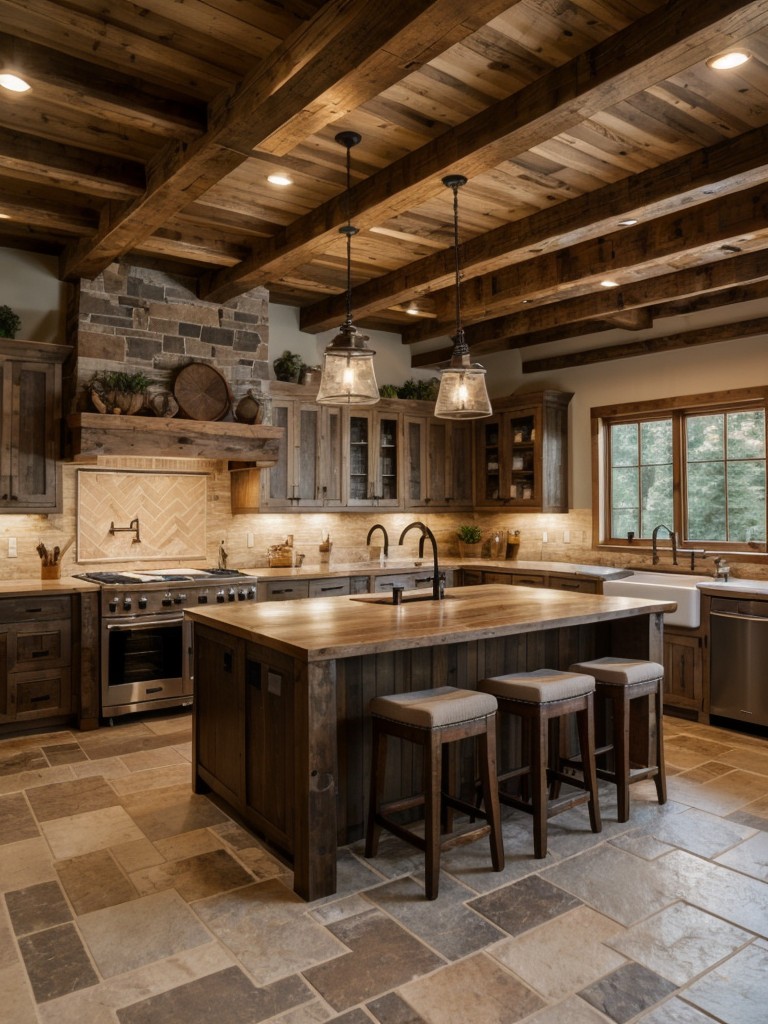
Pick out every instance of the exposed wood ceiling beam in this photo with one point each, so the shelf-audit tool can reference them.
(63, 79)
(513, 331)
(716, 170)
(650, 50)
(695, 235)
(69, 167)
(345, 54)
(627, 350)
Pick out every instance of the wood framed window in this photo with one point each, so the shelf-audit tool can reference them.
(694, 464)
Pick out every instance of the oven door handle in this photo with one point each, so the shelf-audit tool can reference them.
(144, 623)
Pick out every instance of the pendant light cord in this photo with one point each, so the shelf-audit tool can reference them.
(348, 139)
(454, 182)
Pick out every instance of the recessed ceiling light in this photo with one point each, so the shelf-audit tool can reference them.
(412, 311)
(279, 179)
(12, 82)
(5, 216)
(628, 222)
(727, 61)
(609, 284)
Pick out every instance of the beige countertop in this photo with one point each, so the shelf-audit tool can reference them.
(320, 629)
(402, 565)
(65, 585)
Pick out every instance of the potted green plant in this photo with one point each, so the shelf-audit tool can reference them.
(9, 322)
(288, 366)
(470, 540)
(116, 391)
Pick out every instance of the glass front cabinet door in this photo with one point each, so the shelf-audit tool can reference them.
(438, 463)
(522, 454)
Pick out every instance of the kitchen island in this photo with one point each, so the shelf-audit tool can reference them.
(281, 730)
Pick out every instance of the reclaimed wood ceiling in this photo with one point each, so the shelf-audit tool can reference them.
(151, 127)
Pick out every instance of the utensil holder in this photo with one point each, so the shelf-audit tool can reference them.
(50, 572)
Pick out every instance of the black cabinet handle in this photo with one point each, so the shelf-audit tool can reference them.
(41, 654)
(40, 699)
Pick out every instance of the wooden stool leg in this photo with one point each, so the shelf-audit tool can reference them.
(621, 754)
(661, 776)
(488, 774)
(539, 752)
(378, 775)
(585, 721)
(432, 809)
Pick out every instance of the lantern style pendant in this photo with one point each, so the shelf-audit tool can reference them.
(348, 376)
(463, 394)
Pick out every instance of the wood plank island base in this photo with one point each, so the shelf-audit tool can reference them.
(281, 729)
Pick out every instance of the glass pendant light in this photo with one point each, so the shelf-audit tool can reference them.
(348, 377)
(462, 394)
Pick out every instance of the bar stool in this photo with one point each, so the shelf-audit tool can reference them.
(619, 681)
(541, 698)
(432, 719)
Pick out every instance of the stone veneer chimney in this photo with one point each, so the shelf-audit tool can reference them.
(132, 318)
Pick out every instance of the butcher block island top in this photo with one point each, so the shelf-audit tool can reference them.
(282, 689)
(320, 628)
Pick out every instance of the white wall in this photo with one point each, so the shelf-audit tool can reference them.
(28, 284)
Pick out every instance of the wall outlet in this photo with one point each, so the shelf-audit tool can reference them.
(13, 551)
(566, 536)
(249, 539)
(544, 537)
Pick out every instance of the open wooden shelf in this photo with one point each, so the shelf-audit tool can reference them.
(96, 434)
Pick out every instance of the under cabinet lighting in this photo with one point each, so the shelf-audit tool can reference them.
(13, 82)
(728, 61)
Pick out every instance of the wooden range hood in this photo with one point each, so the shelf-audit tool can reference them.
(94, 434)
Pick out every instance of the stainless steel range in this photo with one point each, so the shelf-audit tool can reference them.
(144, 642)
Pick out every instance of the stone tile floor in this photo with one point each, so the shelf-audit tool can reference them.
(126, 899)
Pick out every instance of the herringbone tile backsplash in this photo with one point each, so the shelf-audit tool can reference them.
(170, 507)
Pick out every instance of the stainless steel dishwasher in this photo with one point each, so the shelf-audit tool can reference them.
(739, 659)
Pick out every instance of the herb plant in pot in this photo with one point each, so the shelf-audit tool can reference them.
(10, 322)
(470, 541)
(288, 367)
(115, 391)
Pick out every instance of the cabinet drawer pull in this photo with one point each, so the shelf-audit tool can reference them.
(41, 654)
(40, 699)
(337, 587)
(32, 611)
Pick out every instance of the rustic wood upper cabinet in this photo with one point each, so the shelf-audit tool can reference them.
(522, 454)
(438, 460)
(30, 386)
(308, 470)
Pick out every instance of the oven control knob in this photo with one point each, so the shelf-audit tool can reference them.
(167, 599)
(142, 602)
(220, 596)
(231, 594)
(251, 593)
(202, 599)
(179, 598)
(127, 603)
(241, 595)
(113, 605)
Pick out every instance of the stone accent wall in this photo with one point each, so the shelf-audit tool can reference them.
(134, 318)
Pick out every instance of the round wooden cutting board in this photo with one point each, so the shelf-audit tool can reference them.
(202, 392)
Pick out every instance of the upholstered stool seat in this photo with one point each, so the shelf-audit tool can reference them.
(636, 738)
(433, 719)
(540, 699)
